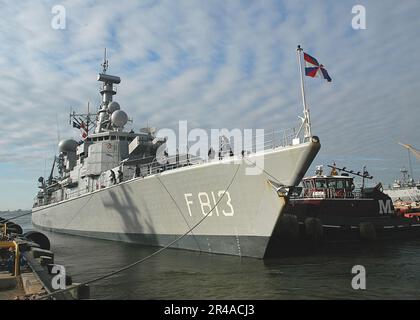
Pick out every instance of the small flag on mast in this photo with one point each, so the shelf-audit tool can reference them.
(314, 69)
(76, 125)
(83, 130)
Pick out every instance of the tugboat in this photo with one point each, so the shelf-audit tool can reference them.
(329, 208)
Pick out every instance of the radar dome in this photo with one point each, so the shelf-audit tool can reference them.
(113, 106)
(68, 145)
(119, 118)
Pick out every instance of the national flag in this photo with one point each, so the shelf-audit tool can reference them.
(76, 125)
(314, 69)
(83, 130)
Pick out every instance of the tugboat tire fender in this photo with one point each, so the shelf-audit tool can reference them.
(313, 228)
(288, 227)
(14, 228)
(39, 238)
(367, 231)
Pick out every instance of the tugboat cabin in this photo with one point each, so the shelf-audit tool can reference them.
(335, 195)
(331, 186)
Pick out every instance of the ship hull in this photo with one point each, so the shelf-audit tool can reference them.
(159, 209)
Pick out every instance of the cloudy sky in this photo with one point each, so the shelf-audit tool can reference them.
(215, 64)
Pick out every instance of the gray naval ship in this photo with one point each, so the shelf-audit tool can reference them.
(110, 185)
(404, 189)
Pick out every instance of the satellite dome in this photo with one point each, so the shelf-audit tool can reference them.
(68, 145)
(113, 106)
(119, 118)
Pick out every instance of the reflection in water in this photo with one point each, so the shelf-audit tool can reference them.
(392, 272)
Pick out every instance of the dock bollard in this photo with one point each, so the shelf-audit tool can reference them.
(46, 260)
(37, 253)
(80, 293)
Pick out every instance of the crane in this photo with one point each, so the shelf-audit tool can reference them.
(412, 149)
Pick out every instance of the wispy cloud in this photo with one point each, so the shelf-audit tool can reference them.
(213, 63)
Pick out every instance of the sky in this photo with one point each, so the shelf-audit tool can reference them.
(217, 64)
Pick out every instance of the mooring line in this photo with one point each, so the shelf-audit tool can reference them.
(13, 218)
(179, 210)
(265, 171)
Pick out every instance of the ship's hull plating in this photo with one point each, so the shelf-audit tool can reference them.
(156, 210)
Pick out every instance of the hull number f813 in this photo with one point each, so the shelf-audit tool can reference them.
(210, 200)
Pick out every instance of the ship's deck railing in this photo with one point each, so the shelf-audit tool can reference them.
(270, 140)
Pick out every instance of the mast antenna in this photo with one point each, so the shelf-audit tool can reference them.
(306, 119)
(104, 65)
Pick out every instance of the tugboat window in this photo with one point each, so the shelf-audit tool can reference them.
(321, 183)
(332, 184)
(340, 184)
(349, 184)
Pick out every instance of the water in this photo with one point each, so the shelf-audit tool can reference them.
(392, 272)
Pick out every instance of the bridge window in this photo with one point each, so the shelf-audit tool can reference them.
(332, 184)
(340, 184)
(349, 184)
(320, 184)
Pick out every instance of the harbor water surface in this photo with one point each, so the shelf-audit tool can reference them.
(392, 271)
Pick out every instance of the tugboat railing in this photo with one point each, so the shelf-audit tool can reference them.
(329, 193)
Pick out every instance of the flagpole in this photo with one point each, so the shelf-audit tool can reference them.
(306, 116)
